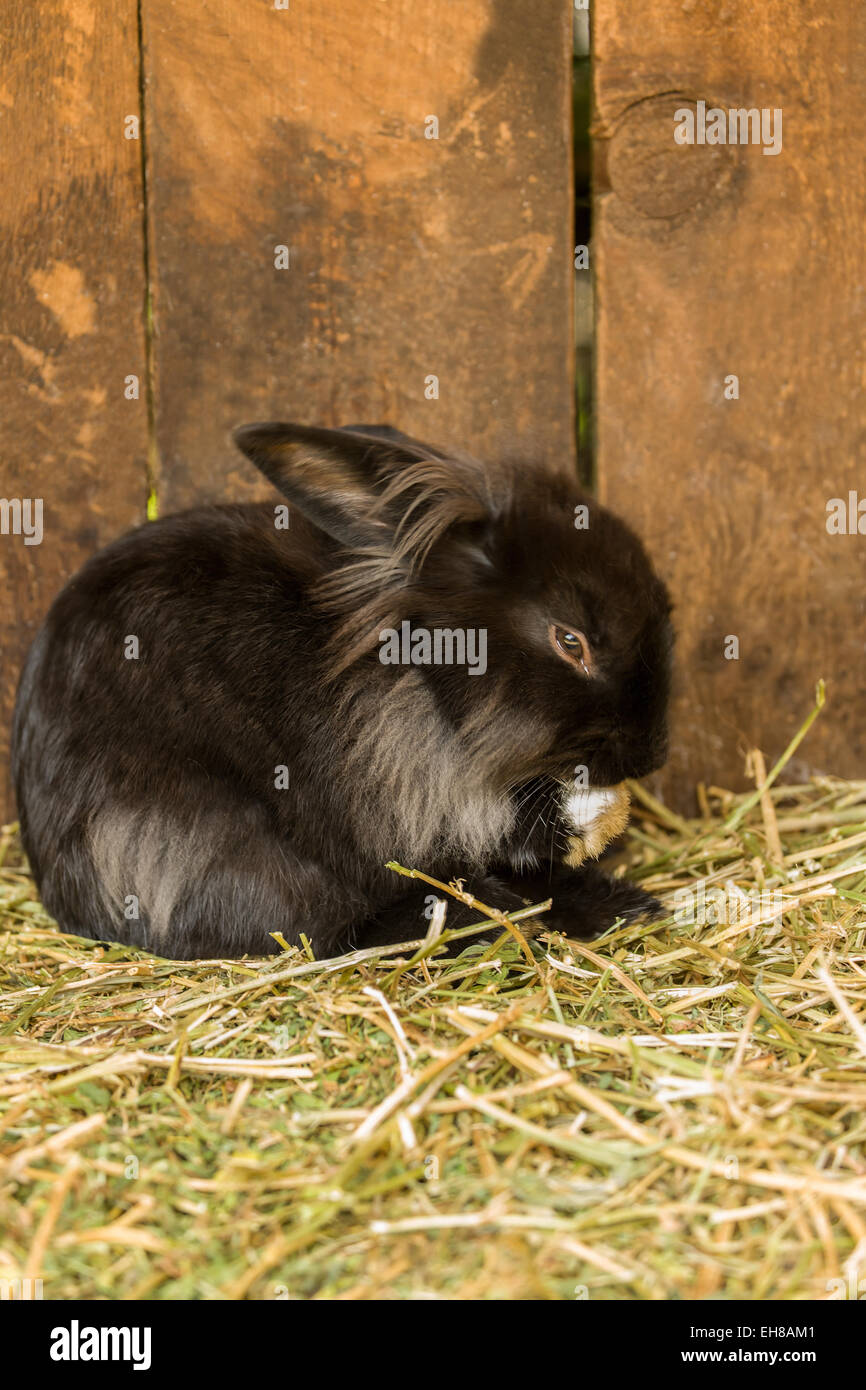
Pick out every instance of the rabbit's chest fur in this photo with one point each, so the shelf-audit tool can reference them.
(432, 787)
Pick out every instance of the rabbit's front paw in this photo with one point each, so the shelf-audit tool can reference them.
(591, 903)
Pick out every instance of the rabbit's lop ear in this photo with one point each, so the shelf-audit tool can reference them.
(368, 485)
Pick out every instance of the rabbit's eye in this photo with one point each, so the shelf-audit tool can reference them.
(572, 646)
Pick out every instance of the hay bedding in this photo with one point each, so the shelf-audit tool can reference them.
(675, 1111)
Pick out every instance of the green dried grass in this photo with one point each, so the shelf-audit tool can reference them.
(670, 1112)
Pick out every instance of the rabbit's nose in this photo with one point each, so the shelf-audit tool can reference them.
(651, 757)
(624, 758)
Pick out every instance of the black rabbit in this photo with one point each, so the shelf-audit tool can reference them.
(234, 717)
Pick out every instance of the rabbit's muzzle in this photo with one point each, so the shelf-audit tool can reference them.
(597, 816)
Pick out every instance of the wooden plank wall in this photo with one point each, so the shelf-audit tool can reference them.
(715, 261)
(72, 294)
(409, 257)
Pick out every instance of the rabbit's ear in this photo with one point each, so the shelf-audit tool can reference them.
(413, 448)
(370, 487)
(332, 476)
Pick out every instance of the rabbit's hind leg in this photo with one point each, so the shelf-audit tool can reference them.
(212, 884)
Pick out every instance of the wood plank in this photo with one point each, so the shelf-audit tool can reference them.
(73, 293)
(718, 260)
(409, 257)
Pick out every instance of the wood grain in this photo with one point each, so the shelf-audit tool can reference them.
(72, 297)
(722, 260)
(409, 257)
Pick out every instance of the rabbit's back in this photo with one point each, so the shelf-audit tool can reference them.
(150, 643)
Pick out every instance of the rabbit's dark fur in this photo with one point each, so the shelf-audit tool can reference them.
(150, 784)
